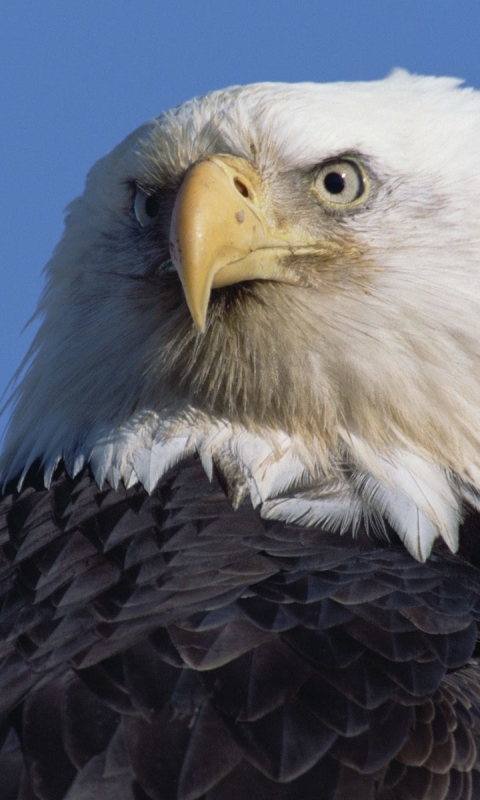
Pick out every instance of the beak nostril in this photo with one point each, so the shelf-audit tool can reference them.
(241, 187)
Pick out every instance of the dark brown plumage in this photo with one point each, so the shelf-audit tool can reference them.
(168, 648)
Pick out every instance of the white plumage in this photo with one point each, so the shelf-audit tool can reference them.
(385, 359)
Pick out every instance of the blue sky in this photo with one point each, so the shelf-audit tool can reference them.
(77, 77)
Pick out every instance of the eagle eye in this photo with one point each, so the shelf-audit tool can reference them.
(146, 207)
(340, 182)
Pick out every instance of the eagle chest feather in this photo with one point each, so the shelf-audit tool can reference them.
(172, 647)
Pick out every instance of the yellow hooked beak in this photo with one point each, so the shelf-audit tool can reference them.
(220, 234)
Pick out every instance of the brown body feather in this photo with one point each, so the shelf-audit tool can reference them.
(173, 649)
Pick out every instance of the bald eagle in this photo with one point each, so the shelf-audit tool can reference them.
(241, 484)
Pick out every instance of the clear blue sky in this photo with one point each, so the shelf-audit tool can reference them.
(76, 77)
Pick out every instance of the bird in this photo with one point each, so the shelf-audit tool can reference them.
(239, 545)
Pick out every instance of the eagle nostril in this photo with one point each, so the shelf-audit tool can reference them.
(241, 187)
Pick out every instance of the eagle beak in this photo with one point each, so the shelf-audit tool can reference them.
(220, 234)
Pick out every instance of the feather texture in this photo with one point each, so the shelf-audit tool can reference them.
(366, 372)
(173, 647)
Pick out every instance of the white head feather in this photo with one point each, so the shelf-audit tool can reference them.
(391, 365)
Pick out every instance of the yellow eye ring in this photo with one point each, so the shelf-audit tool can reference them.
(341, 183)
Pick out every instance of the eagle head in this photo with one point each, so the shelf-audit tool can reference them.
(284, 279)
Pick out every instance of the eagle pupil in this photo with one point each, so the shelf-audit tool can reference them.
(151, 206)
(334, 182)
